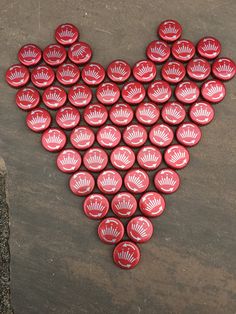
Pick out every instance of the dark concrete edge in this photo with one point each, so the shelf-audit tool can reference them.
(5, 292)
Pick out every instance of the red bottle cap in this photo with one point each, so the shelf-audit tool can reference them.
(201, 113)
(152, 204)
(42, 76)
(66, 34)
(17, 75)
(80, 53)
(38, 120)
(69, 160)
(169, 30)
(108, 136)
(111, 230)
(108, 93)
(96, 206)
(149, 157)
(118, 71)
(133, 92)
(126, 255)
(161, 135)
(68, 74)
(121, 114)
(53, 140)
(109, 182)
(80, 95)
(124, 205)
(136, 181)
(68, 117)
(159, 91)
(188, 134)
(54, 54)
(82, 137)
(95, 159)
(167, 181)
(93, 74)
(173, 113)
(29, 55)
(147, 113)
(176, 156)
(209, 47)
(122, 158)
(27, 98)
(144, 71)
(198, 69)
(140, 229)
(224, 69)
(54, 97)
(158, 51)
(187, 92)
(213, 91)
(183, 50)
(135, 135)
(81, 183)
(173, 72)
(95, 114)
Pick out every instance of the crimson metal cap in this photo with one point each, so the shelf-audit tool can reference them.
(135, 135)
(95, 159)
(68, 74)
(140, 229)
(111, 230)
(81, 183)
(158, 51)
(27, 98)
(108, 136)
(82, 137)
(42, 76)
(124, 205)
(109, 182)
(66, 34)
(69, 160)
(159, 91)
(122, 158)
(152, 204)
(147, 113)
(53, 139)
(80, 53)
(149, 157)
(183, 50)
(161, 135)
(213, 91)
(118, 71)
(126, 255)
(80, 95)
(169, 30)
(201, 113)
(173, 72)
(167, 181)
(29, 55)
(173, 113)
(68, 117)
(108, 93)
(224, 69)
(121, 114)
(187, 92)
(54, 97)
(176, 156)
(133, 92)
(95, 114)
(17, 75)
(198, 69)
(93, 74)
(96, 206)
(38, 119)
(54, 54)
(144, 71)
(188, 134)
(209, 47)
(136, 181)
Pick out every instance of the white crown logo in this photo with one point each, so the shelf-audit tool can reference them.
(95, 159)
(173, 113)
(126, 256)
(201, 113)
(133, 135)
(68, 161)
(161, 134)
(149, 158)
(187, 91)
(68, 73)
(121, 205)
(108, 136)
(53, 96)
(144, 70)
(199, 68)
(118, 70)
(16, 75)
(121, 113)
(139, 229)
(79, 52)
(148, 113)
(92, 73)
(184, 49)
(133, 92)
(29, 53)
(170, 30)
(152, 204)
(173, 71)
(82, 183)
(79, 95)
(188, 134)
(54, 54)
(158, 51)
(107, 92)
(167, 181)
(95, 206)
(42, 76)
(176, 156)
(66, 33)
(214, 90)
(27, 98)
(53, 139)
(122, 157)
(136, 181)
(209, 47)
(224, 68)
(159, 91)
(110, 231)
(109, 182)
(67, 117)
(38, 120)
(95, 114)
(82, 137)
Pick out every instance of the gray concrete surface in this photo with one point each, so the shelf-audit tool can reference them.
(57, 263)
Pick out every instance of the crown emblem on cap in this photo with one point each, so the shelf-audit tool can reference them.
(42, 75)
(214, 89)
(176, 156)
(149, 157)
(95, 206)
(184, 49)
(148, 113)
(39, 119)
(122, 157)
(188, 134)
(109, 181)
(158, 50)
(107, 92)
(29, 53)
(162, 134)
(169, 30)
(79, 95)
(159, 91)
(172, 70)
(224, 68)
(121, 113)
(118, 70)
(136, 181)
(27, 98)
(95, 159)
(201, 113)
(122, 205)
(68, 116)
(69, 160)
(82, 137)
(108, 135)
(152, 204)
(95, 114)
(167, 181)
(82, 183)
(54, 53)
(144, 70)
(135, 135)
(53, 96)
(187, 91)
(173, 112)
(66, 33)
(93, 73)
(132, 92)
(208, 46)
(110, 231)
(79, 52)
(199, 68)
(139, 228)
(126, 256)
(68, 73)
(16, 75)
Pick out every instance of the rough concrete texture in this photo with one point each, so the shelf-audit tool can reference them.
(58, 264)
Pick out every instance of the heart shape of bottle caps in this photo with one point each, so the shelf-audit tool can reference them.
(112, 128)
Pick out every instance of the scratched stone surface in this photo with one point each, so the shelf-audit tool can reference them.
(58, 265)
